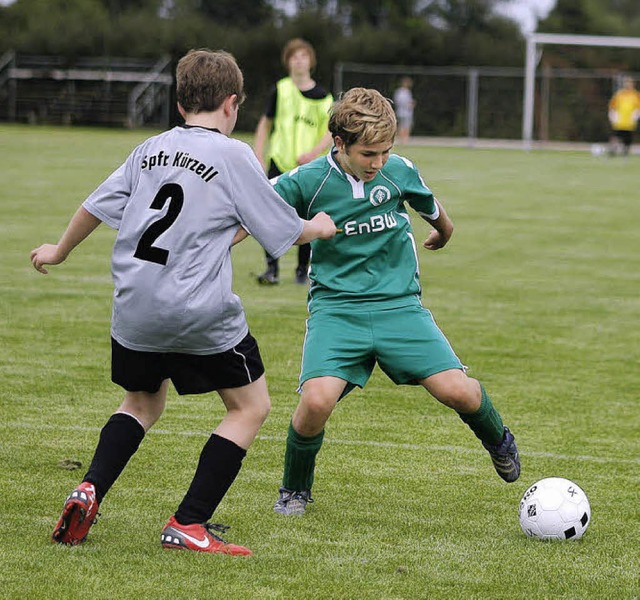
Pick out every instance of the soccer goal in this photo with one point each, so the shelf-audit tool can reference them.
(535, 44)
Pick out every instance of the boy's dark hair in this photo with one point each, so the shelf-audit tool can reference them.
(204, 78)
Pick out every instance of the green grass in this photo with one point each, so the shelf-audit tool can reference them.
(538, 293)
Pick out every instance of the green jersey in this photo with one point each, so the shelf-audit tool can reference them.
(374, 259)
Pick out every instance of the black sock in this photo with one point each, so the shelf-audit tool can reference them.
(273, 264)
(304, 256)
(119, 440)
(220, 462)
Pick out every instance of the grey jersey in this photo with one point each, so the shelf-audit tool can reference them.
(177, 202)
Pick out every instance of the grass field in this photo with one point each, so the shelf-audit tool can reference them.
(538, 292)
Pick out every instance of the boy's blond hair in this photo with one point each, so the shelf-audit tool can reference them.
(363, 116)
(205, 78)
(293, 46)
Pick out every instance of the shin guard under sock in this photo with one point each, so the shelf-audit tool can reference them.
(119, 440)
(220, 462)
(486, 422)
(300, 460)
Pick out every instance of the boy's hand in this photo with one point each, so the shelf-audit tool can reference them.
(47, 254)
(325, 225)
(435, 241)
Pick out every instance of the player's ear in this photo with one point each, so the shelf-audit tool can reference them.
(182, 111)
(230, 104)
(339, 142)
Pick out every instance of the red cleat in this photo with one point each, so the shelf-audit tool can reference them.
(79, 513)
(199, 537)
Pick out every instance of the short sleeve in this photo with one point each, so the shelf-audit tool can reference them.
(110, 199)
(289, 189)
(261, 210)
(417, 193)
(270, 106)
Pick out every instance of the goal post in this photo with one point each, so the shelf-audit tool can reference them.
(535, 42)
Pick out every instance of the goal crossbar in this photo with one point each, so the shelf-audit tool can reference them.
(540, 39)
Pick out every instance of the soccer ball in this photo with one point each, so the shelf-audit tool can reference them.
(555, 509)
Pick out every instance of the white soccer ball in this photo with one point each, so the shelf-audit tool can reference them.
(555, 509)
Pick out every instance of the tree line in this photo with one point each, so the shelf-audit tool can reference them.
(401, 32)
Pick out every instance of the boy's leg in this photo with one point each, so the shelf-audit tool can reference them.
(122, 435)
(468, 398)
(222, 455)
(485, 422)
(472, 403)
(304, 440)
(219, 464)
(271, 276)
(119, 440)
(300, 459)
(304, 255)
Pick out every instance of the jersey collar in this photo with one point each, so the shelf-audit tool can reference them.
(212, 129)
(357, 185)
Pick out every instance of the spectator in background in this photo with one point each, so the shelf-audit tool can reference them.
(293, 131)
(624, 110)
(404, 105)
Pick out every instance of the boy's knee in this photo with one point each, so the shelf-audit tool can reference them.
(316, 403)
(460, 392)
(262, 410)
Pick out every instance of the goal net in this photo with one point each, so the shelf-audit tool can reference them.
(535, 44)
(550, 100)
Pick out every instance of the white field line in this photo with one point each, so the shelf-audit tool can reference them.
(371, 443)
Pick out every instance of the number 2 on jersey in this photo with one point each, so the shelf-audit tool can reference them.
(145, 249)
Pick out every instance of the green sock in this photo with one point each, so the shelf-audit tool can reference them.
(486, 422)
(300, 460)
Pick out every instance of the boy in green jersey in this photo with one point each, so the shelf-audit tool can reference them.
(364, 299)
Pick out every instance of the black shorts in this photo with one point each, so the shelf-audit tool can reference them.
(137, 371)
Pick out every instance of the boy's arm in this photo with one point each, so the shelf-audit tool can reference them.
(240, 235)
(260, 141)
(443, 229)
(321, 226)
(317, 150)
(81, 225)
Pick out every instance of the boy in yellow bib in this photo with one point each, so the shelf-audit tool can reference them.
(294, 126)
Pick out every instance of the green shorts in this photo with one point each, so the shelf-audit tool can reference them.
(405, 342)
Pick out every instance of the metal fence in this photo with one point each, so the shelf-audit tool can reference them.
(455, 102)
(104, 91)
(487, 102)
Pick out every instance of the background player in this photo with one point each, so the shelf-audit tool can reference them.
(294, 129)
(404, 103)
(624, 110)
(177, 203)
(364, 299)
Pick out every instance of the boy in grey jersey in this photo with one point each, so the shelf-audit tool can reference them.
(364, 299)
(179, 202)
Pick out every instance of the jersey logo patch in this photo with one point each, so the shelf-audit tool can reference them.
(379, 195)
